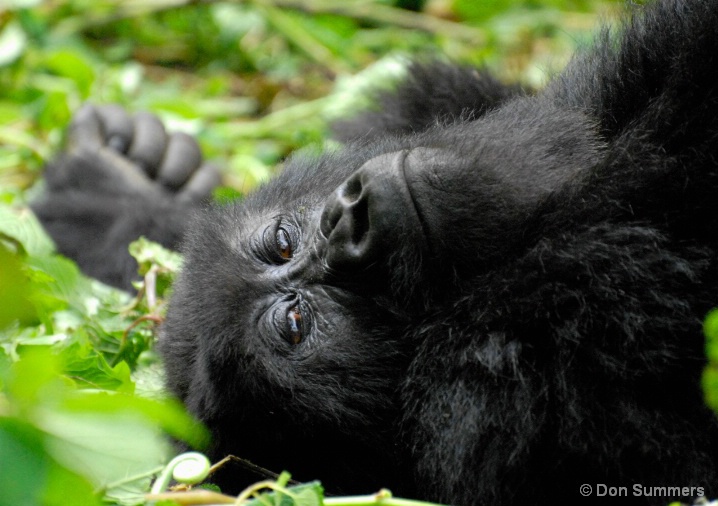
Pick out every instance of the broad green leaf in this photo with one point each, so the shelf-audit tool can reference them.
(73, 65)
(149, 377)
(30, 476)
(167, 414)
(15, 303)
(105, 447)
(114, 441)
(90, 370)
(53, 105)
(22, 225)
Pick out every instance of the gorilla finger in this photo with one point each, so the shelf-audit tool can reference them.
(182, 157)
(85, 129)
(148, 143)
(200, 186)
(118, 126)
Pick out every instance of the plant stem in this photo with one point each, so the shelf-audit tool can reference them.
(381, 498)
(366, 11)
(300, 37)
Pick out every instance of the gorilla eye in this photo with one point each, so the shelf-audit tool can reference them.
(284, 243)
(294, 321)
(278, 242)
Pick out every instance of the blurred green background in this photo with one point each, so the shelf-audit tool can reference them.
(250, 78)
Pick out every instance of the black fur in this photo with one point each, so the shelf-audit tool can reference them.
(501, 295)
(430, 94)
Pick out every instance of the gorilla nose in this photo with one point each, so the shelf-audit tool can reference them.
(369, 214)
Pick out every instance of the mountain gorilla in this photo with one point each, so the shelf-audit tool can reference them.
(483, 297)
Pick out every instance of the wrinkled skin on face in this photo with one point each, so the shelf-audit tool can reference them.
(482, 296)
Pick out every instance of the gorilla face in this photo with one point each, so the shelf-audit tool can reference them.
(286, 328)
(295, 283)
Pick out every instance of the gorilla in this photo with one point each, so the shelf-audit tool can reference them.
(483, 297)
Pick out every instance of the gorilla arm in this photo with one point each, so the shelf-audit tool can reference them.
(121, 177)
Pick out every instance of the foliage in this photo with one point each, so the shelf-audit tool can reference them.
(70, 426)
(82, 412)
(710, 375)
(268, 493)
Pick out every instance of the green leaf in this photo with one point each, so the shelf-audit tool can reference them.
(22, 225)
(73, 65)
(105, 447)
(15, 304)
(710, 330)
(224, 195)
(30, 476)
(60, 278)
(90, 370)
(53, 107)
(710, 387)
(113, 441)
(153, 257)
(32, 379)
(306, 494)
(149, 377)
(167, 414)
(710, 374)
(148, 253)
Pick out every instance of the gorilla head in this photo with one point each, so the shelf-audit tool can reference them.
(292, 321)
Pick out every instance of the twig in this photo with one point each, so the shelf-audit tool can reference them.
(275, 121)
(385, 14)
(250, 466)
(300, 37)
(366, 11)
(194, 497)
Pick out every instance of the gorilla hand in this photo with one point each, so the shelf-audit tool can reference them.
(121, 177)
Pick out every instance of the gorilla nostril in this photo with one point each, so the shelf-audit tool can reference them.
(351, 190)
(331, 215)
(346, 224)
(360, 221)
(348, 206)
